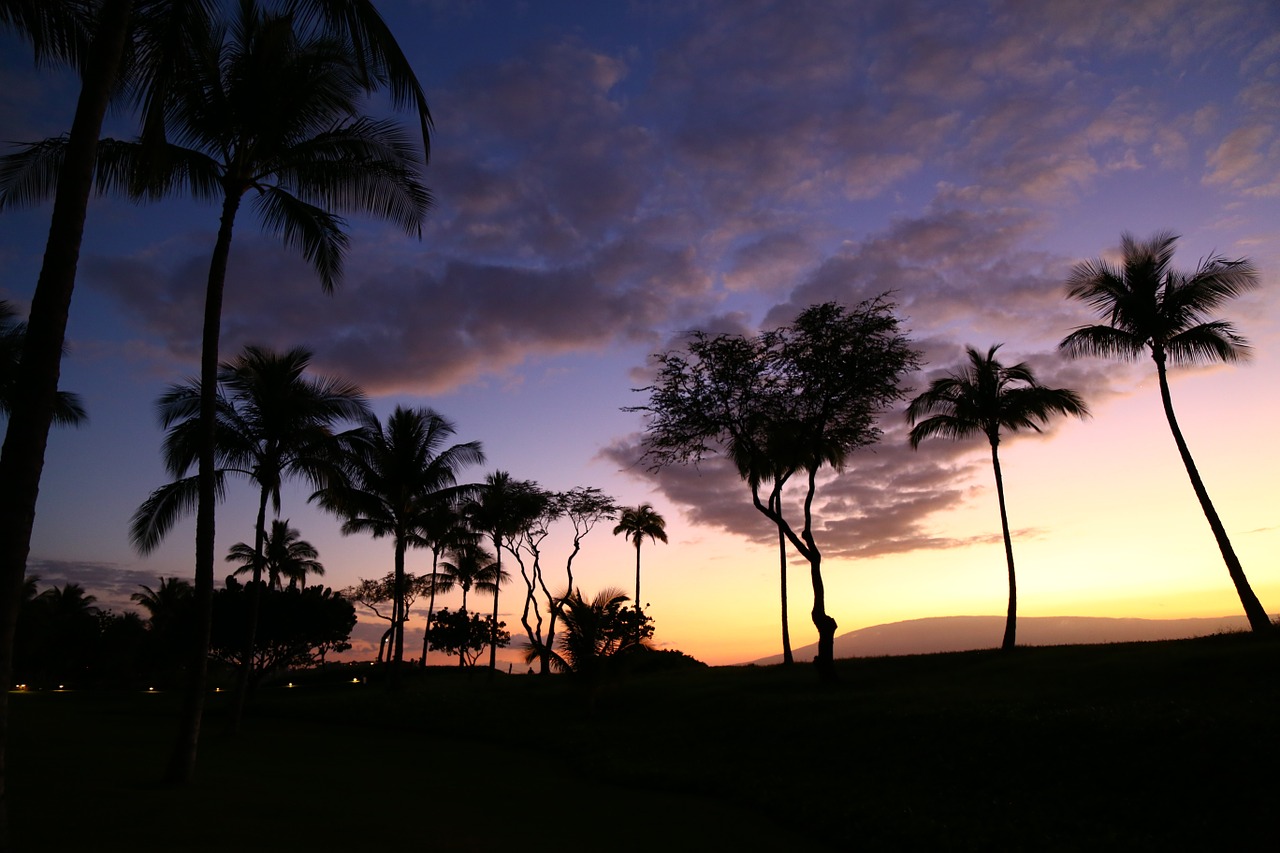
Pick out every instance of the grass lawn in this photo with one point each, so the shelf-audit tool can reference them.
(1140, 746)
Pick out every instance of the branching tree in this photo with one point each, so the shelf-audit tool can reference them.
(820, 382)
(466, 634)
(1151, 308)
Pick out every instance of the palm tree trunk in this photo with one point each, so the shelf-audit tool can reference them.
(183, 760)
(1011, 617)
(493, 629)
(255, 608)
(398, 615)
(1257, 615)
(638, 540)
(431, 606)
(22, 459)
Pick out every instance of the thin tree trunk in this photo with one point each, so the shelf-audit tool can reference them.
(1011, 617)
(775, 500)
(825, 660)
(1257, 615)
(398, 616)
(431, 606)
(255, 608)
(493, 629)
(27, 436)
(638, 538)
(183, 760)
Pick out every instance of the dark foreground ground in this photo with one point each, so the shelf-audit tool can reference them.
(1153, 746)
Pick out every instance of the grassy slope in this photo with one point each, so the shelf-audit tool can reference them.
(1141, 746)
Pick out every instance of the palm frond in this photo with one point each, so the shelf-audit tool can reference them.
(316, 232)
(165, 507)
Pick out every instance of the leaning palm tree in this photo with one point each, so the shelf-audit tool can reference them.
(1151, 308)
(394, 474)
(635, 523)
(985, 397)
(286, 556)
(139, 47)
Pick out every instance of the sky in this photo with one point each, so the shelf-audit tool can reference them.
(610, 176)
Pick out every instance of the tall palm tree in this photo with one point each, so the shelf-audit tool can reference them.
(502, 508)
(286, 555)
(68, 408)
(144, 44)
(442, 529)
(271, 422)
(1151, 308)
(985, 397)
(394, 474)
(635, 523)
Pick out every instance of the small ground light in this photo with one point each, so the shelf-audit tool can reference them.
(290, 683)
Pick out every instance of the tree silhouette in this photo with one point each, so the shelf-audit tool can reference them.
(286, 555)
(823, 379)
(272, 422)
(96, 39)
(636, 523)
(1150, 307)
(985, 397)
(394, 475)
(68, 410)
(470, 566)
(501, 508)
(595, 632)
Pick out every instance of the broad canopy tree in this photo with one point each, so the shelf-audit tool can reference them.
(798, 398)
(985, 397)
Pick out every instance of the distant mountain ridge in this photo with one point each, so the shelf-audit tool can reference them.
(963, 633)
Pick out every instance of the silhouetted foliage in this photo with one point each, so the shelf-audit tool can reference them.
(797, 398)
(465, 634)
(1151, 308)
(986, 397)
(296, 627)
(597, 632)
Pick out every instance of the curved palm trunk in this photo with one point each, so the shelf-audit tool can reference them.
(1257, 615)
(255, 608)
(1011, 617)
(183, 760)
(27, 435)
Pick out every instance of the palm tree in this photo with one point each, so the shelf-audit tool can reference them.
(68, 409)
(164, 603)
(986, 397)
(635, 523)
(594, 632)
(96, 38)
(286, 555)
(272, 422)
(394, 475)
(1149, 307)
(502, 508)
(442, 530)
(471, 565)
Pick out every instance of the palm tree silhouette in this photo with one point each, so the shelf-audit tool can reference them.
(68, 408)
(635, 523)
(470, 566)
(286, 555)
(593, 633)
(394, 475)
(501, 508)
(442, 529)
(1149, 307)
(272, 422)
(986, 397)
(96, 38)
(163, 604)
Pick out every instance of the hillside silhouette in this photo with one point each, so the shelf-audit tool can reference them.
(965, 633)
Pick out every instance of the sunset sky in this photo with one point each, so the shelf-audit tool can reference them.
(611, 175)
